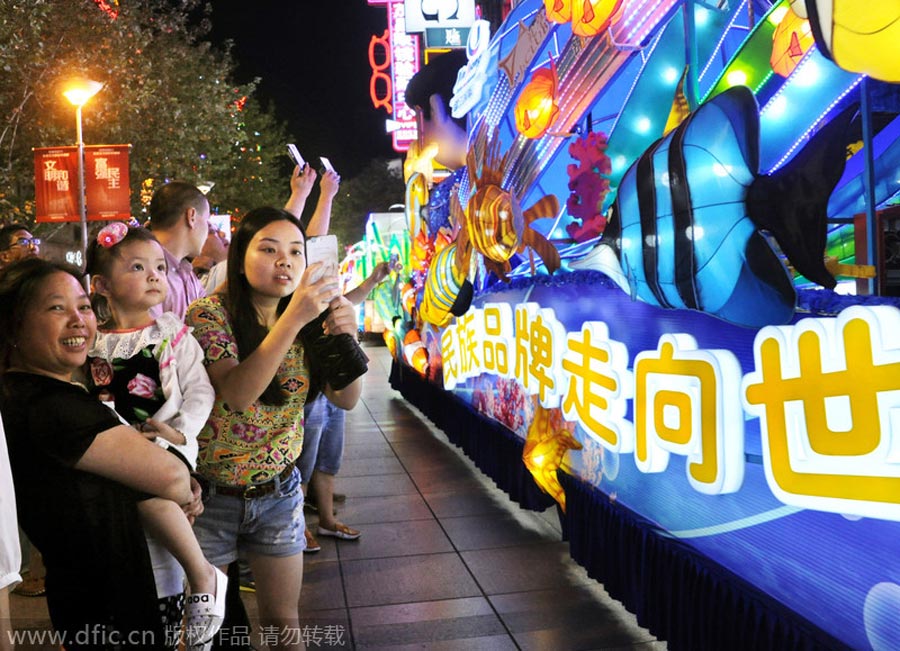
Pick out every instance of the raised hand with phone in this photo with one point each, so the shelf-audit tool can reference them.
(333, 351)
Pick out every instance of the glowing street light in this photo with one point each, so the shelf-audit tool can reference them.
(78, 92)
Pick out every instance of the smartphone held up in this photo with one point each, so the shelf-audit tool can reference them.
(294, 153)
(322, 249)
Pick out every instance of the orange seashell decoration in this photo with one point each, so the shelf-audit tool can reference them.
(492, 227)
(792, 39)
(591, 17)
(537, 109)
(558, 11)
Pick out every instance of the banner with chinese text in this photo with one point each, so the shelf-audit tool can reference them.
(106, 182)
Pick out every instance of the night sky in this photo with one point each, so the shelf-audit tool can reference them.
(312, 58)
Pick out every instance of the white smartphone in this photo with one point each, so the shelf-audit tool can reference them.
(322, 249)
(326, 164)
(294, 153)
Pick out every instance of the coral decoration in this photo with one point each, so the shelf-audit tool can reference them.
(792, 39)
(589, 183)
(546, 444)
(591, 17)
(558, 11)
(537, 108)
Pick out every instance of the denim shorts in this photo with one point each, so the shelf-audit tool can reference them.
(272, 525)
(323, 438)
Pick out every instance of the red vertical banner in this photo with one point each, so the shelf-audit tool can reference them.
(106, 182)
(56, 184)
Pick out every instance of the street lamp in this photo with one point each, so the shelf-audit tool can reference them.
(78, 93)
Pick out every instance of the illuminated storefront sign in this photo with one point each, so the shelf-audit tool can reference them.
(389, 93)
(438, 14)
(446, 37)
(826, 391)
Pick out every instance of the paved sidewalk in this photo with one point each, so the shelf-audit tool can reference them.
(446, 561)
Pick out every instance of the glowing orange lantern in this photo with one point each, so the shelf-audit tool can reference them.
(558, 11)
(792, 39)
(537, 109)
(591, 17)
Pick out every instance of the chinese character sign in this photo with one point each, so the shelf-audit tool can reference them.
(827, 392)
(106, 182)
(56, 184)
(684, 404)
(106, 179)
(404, 64)
(599, 383)
(425, 14)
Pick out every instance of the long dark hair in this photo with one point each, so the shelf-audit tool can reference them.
(238, 297)
(19, 283)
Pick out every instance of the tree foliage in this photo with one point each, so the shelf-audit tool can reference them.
(375, 189)
(167, 92)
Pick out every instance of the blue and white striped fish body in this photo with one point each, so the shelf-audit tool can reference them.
(685, 239)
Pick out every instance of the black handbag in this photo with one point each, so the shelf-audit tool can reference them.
(335, 360)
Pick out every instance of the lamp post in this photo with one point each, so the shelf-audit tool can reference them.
(78, 93)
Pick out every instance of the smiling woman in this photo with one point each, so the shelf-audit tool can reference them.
(79, 474)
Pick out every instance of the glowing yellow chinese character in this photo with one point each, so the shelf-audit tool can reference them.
(827, 392)
(685, 402)
(599, 384)
(498, 329)
(467, 336)
(524, 314)
(448, 358)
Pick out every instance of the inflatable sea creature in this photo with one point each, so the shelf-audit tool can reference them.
(546, 445)
(538, 105)
(447, 291)
(494, 223)
(792, 39)
(685, 229)
(858, 35)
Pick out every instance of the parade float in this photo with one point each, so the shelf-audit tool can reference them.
(651, 297)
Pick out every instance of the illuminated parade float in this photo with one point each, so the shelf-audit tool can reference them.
(649, 297)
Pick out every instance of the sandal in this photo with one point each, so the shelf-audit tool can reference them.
(205, 613)
(312, 545)
(341, 531)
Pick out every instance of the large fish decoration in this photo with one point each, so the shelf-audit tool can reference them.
(685, 229)
(858, 35)
(493, 222)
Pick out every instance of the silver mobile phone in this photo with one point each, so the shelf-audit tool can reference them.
(294, 153)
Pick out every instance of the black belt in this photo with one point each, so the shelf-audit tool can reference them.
(253, 490)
